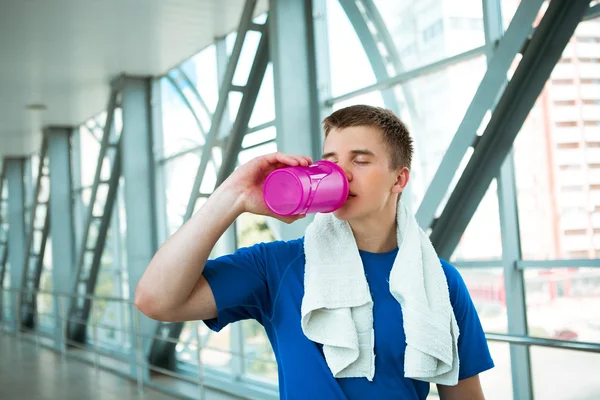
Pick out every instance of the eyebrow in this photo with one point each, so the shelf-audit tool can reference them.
(355, 152)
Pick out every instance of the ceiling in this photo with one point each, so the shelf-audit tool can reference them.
(64, 53)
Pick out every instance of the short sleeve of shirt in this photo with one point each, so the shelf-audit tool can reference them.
(240, 287)
(473, 352)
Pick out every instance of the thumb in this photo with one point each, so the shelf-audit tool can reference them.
(289, 220)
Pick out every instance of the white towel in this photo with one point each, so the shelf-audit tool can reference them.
(337, 309)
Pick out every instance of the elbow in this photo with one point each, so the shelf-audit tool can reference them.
(146, 303)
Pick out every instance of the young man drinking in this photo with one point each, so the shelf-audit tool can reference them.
(360, 307)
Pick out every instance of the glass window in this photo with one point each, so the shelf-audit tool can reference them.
(373, 99)
(486, 288)
(562, 303)
(45, 302)
(201, 69)
(180, 129)
(249, 154)
(244, 65)
(8, 305)
(264, 109)
(497, 382)
(433, 30)
(90, 149)
(259, 137)
(179, 176)
(482, 239)
(509, 8)
(187, 348)
(217, 349)
(252, 229)
(564, 374)
(350, 67)
(260, 359)
(440, 101)
(428, 31)
(558, 186)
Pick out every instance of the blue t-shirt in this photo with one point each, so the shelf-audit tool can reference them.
(266, 282)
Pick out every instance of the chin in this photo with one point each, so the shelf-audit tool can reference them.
(345, 213)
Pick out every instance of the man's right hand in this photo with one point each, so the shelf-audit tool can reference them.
(247, 182)
(173, 287)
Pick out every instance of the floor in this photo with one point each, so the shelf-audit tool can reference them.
(37, 373)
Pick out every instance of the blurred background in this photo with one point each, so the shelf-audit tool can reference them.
(119, 118)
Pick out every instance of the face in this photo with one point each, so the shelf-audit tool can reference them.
(363, 155)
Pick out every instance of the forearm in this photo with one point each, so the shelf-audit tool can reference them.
(178, 264)
(469, 388)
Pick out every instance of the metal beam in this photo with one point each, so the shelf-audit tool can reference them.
(322, 56)
(404, 77)
(179, 74)
(34, 255)
(61, 215)
(185, 100)
(514, 284)
(374, 36)
(369, 44)
(487, 94)
(138, 174)
(88, 258)
(163, 351)
(260, 127)
(3, 232)
(162, 224)
(15, 169)
(592, 12)
(165, 354)
(79, 207)
(542, 54)
(240, 126)
(292, 46)
(547, 264)
(228, 243)
(479, 264)
(516, 305)
(590, 347)
(226, 87)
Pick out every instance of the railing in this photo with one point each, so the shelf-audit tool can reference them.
(135, 356)
(132, 354)
(543, 342)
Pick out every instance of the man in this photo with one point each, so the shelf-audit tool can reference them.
(266, 281)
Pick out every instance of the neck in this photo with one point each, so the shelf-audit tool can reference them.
(376, 233)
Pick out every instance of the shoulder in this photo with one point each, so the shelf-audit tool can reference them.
(277, 254)
(459, 294)
(274, 248)
(453, 277)
(279, 248)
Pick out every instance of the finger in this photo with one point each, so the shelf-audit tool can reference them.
(305, 161)
(287, 159)
(289, 220)
(302, 160)
(294, 159)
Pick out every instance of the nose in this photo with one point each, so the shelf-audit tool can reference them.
(347, 171)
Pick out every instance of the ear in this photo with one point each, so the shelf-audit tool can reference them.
(402, 177)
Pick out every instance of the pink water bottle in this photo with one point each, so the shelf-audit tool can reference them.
(319, 188)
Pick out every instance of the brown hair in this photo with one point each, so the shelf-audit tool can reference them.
(395, 134)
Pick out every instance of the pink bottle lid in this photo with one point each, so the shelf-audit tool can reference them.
(320, 187)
